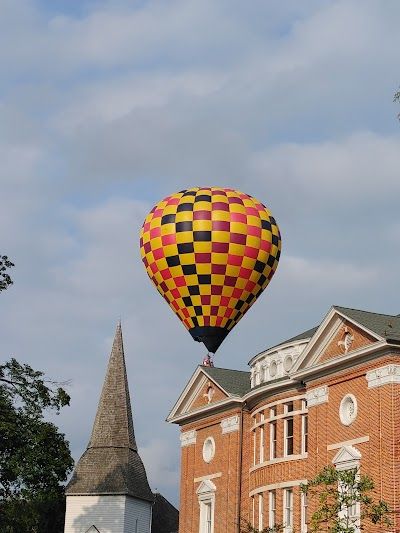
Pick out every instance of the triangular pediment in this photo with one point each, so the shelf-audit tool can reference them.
(200, 392)
(93, 529)
(346, 454)
(205, 487)
(337, 336)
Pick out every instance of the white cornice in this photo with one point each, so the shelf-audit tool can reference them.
(278, 347)
(269, 387)
(384, 375)
(204, 410)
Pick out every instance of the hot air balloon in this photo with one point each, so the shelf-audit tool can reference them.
(210, 252)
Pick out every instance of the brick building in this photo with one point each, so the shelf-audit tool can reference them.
(249, 439)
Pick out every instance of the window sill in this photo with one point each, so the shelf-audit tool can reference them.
(279, 460)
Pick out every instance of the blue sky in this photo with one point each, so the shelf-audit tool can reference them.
(108, 106)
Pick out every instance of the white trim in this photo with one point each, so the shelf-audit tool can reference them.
(272, 508)
(278, 347)
(231, 424)
(208, 449)
(303, 512)
(346, 417)
(206, 498)
(286, 436)
(338, 445)
(317, 396)
(346, 458)
(281, 485)
(188, 438)
(278, 402)
(288, 528)
(208, 477)
(278, 417)
(204, 410)
(384, 375)
(260, 510)
(279, 460)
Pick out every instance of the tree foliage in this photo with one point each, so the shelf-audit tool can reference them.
(34, 456)
(337, 494)
(397, 99)
(248, 528)
(5, 279)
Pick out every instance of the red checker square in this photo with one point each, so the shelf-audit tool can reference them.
(168, 239)
(155, 232)
(175, 306)
(249, 251)
(228, 313)
(173, 201)
(221, 206)
(141, 242)
(202, 258)
(219, 191)
(202, 215)
(235, 200)
(154, 280)
(218, 269)
(158, 213)
(158, 253)
(265, 245)
(220, 247)
(146, 227)
(235, 260)
(230, 281)
(166, 274)
(163, 286)
(238, 217)
(271, 273)
(154, 268)
(254, 230)
(175, 293)
(250, 286)
(154, 208)
(221, 225)
(245, 273)
(145, 262)
(238, 238)
(186, 322)
(218, 320)
(185, 312)
(252, 211)
(237, 293)
(216, 289)
(180, 281)
(206, 320)
(147, 248)
(225, 301)
(206, 299)
(214, 309)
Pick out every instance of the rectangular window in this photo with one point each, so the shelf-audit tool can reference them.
(289, 436)
(288, 509)
(253, 511)
(303, 513)
(272, 508)
(273, 411)
(261, 444)
(260, 511)
(254, 447)
(206, 516)
(304, 434)
(272, 440)
(289, 407)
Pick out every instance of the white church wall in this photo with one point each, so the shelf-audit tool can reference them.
(137, 516)
(107, 513)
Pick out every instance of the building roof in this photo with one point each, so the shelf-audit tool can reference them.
(111, 463)
(387, 326)
(235, 382)
(165, 516)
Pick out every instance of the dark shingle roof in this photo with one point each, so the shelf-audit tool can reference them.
(165, 516)
(236, 382)
(387, 326)
(111, 463)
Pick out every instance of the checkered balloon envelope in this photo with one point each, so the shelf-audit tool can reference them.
(210, 252)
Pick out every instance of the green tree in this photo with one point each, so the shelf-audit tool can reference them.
(248, 528)
(5, 279)
(343, 502)
(34, 456)
(397, 99)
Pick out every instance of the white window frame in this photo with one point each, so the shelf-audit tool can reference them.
(303, 512)
(304, 434)
(206, 498)
(271, 508)
(288, 510)
(261, 457)
(273, 441)
(349, 458)
(255, 446)
(260, 511)
(285, 437)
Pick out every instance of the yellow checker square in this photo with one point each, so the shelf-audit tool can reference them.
(255, 276)
(158, 277)
(202, 205)
(264, 215)
(218, 259)
(239, 227)
(266, 235)
(202, 247)
(196, 299)
(213, 320)
(224, 216)
(169, 210)
(232, 270)
(274, 250)
(146, 238)
(162, 264)
(236, 249)
(202, 268)
(237, 208)
(248, 262)
(184, 216)
(221, 236)
(155, 223)
(217, 279)
(248, 202)
(215, 299)
(227, 291)
(253, 241)
(170, 250)
(241, 284)
(156, 242)
(191, 279)
(176, 271)
(206, 310)
(253, 221)
(184, 236)
(221, 310)
(168, 229)
(205, 289)
(202, 225)
(186, 259)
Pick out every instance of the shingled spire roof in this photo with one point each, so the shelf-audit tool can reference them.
(111, 463)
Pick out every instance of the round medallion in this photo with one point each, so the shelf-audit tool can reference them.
(208, 449)
(348, 409)
(273, 368)
(287, 363)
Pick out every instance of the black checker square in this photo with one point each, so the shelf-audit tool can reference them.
(265, 224)
(271, 261)
(250, 299)
(194, 290)
(239, 305)
(184, 226)
(262, 280)
(186, 248)
(259, 266)
(203, 198)
(275, 240)
(173, 260)
(187, 301)
(168, 219)
(189, 193)
(185, 207)
(204, 279)
(204, 236)
(198, 310)
(189, 269)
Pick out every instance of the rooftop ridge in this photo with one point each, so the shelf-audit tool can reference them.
(364, 311)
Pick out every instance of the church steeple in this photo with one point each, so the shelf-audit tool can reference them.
(113, 425)
(111, 464)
